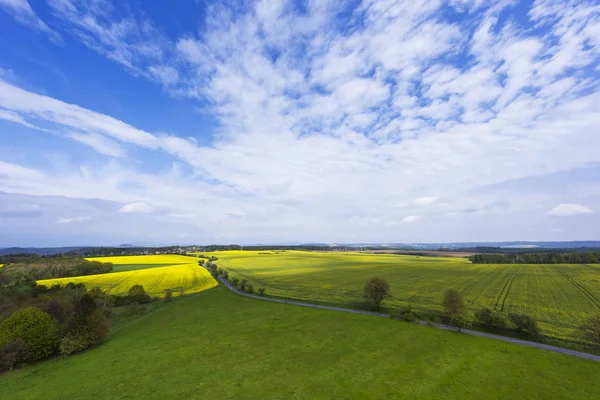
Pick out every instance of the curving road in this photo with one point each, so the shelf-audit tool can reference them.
(445, 327)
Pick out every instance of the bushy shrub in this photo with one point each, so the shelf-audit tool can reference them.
(58, 309)
(461, 321)
(14, 353)
(87, 327)
(243, 284)
(524, 325)
(235, 282)
(491, 319)
(36, 327)
(250, 288)
(261, 291)
(138, 294)
(408, 317)
(408, 314)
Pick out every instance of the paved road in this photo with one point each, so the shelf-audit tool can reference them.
(445, 327)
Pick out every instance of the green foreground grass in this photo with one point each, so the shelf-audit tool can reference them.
(218, 345)
(560, 297)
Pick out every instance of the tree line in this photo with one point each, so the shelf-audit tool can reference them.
(376, 290)
(537, 258)
(30, 269)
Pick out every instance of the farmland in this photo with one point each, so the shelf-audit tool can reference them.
(560, 297)
(216, 344)
(156, 273)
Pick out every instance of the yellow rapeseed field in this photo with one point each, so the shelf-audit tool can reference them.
(181, 278)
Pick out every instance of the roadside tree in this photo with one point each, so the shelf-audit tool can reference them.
(376, 290)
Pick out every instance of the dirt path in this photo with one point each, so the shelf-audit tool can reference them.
(445, 327)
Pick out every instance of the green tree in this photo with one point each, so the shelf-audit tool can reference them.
(461, 321)
(36, 327)
(138, 294)
(454, 303)
(14, 353)
(376, 290)
(87, 327)
(524, 324)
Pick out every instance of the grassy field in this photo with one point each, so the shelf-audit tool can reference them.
(183, 275)
(217, 345)
(560, 297)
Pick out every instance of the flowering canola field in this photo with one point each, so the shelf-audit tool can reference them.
(180, 278)
(560, 296)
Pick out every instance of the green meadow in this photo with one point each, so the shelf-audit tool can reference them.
(218, 345)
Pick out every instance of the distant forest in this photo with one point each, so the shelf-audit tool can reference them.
(587, 257)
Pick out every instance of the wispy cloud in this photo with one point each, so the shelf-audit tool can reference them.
(22, 12)
(100, 143)
(569, 210)
(411, 218)
(72, 220)
(335, 114)
(139, 207)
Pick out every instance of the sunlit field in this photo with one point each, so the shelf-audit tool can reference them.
(560, 297)
(218, 345)
(148, 271)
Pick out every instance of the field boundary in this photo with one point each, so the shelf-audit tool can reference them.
(440, 326)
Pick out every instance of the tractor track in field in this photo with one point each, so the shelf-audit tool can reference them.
(508, 284)
(440, 326)
(509, 287)
(583, 290)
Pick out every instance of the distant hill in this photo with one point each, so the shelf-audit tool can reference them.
(457, 246)
(40, 251)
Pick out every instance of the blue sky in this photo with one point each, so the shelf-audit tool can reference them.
(298, 121)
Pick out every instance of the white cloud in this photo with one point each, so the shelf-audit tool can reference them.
(21, 11)
(569, 210)
(425, 201)
(72, 220)
(100, 143)
(410, 218)
(341, 126)
(139, 207)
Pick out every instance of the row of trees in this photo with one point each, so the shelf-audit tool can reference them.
(24, 272)
(538, 258)
(217, 272)
(378, 289)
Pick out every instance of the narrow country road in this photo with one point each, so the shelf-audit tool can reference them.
(445, 327)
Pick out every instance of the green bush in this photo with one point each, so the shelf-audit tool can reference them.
(524, 325)
(261, 291)
(14, 353)
(168, 296)
(87, 327)
(408, 317)
(138, 294)
(36, 327)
